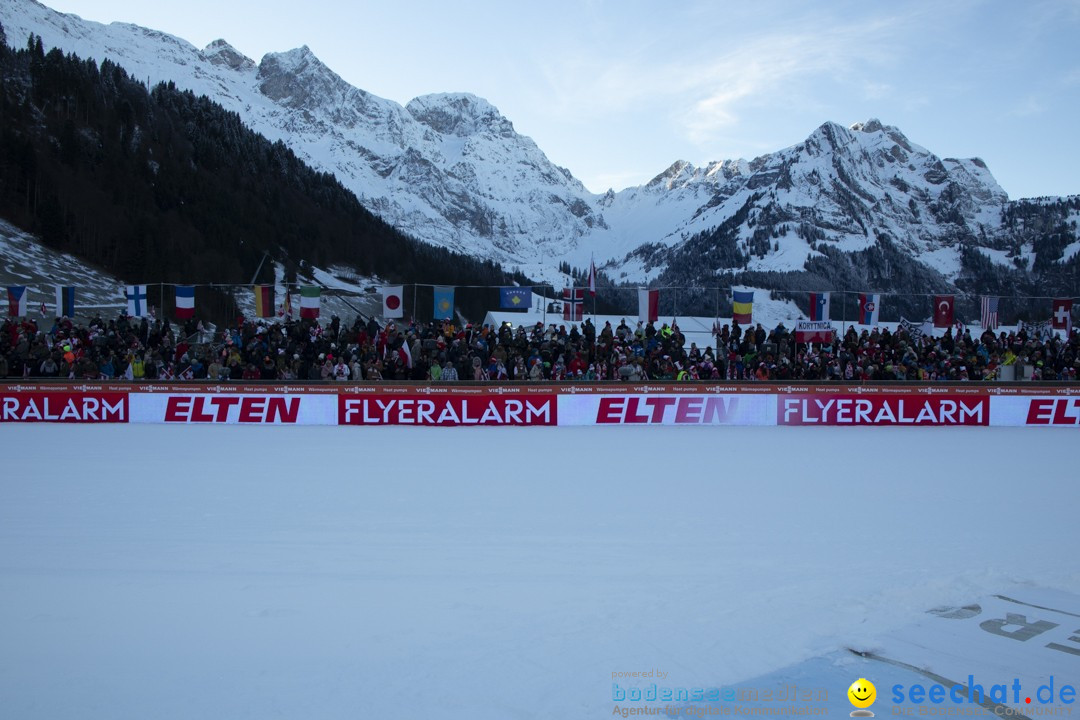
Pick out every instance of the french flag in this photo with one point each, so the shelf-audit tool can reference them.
(185, 302)
(869, 309)
(819, 307)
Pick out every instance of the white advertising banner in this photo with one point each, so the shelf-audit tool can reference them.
(232, 409)
(1059, 411)
(662, 409)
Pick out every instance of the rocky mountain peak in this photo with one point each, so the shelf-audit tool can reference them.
(220, 52)
(670, 176)
(459, 114)
(296, 78)
(873, 125)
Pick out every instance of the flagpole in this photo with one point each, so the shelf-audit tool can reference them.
(414, 302)
(716, 325)
(844, 311)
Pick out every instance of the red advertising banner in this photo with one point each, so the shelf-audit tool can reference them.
(448, 410)
(883, 410)
(63, 406)
(533, 404)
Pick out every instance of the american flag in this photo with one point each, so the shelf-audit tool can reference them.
(989, 313)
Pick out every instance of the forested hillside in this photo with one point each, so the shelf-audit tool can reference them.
(159, 185)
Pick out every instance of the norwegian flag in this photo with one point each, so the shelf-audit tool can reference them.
(989, 312)
(573, 304)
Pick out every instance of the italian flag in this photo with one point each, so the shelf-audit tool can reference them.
(309, 302)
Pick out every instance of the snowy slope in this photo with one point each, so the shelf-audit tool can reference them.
(324, 573)
(25, 260)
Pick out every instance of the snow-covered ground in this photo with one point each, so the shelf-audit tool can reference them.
(325, 572)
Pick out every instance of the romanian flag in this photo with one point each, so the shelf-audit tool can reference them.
(264, 301)
(742, 306)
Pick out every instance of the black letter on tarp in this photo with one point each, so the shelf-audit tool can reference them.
(1027, 629)
(1065, 648)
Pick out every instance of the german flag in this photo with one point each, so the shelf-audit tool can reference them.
(264, 301)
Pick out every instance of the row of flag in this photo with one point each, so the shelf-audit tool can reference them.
(520, 298)
(138, 304)
(19, 301)
(944, 310)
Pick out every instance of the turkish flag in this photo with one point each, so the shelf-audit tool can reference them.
(1061, 317)
(943, 311)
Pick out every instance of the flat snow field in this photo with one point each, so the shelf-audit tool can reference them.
(296, 572)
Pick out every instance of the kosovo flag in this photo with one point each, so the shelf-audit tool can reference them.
(512, 298)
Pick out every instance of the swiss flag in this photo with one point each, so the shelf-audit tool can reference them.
(943, 311)
(1061, 317)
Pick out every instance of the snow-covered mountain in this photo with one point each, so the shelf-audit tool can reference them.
(841, 187)
(450, 170)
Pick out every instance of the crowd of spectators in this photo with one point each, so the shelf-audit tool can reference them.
(440, 351)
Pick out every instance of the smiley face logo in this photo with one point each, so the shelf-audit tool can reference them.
(862, 694)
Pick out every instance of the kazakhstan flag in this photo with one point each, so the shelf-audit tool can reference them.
(444, 303)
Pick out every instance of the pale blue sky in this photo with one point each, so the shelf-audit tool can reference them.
(618, 90)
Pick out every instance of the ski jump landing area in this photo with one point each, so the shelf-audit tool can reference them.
(160, 565)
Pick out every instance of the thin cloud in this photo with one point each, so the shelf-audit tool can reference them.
(1028, 108)
(705, 95)
(771, 68)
